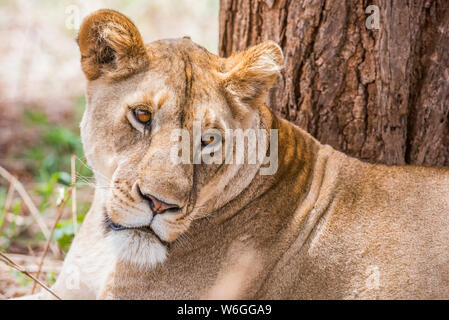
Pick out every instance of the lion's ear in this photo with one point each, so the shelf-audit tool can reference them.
(110, 46)
(251, 73)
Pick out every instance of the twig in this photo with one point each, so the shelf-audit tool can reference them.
(60, 207)
(30, 263)
(26, 198)
(47, 244)
(28, 202)
(8, 201)
(31, 251)
(15, 266)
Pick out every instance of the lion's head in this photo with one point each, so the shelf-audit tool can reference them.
(137, 96)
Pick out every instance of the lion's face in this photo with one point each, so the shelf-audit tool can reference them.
(145, 104)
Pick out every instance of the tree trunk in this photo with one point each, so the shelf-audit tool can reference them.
(377, 94)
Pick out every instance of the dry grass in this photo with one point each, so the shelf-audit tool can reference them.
(16, 185)
(12, 286)
(10, 263)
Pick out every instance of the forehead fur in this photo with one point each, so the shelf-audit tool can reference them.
(183, 61)
(189, 70)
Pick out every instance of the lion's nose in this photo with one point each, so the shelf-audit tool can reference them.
(156, 205)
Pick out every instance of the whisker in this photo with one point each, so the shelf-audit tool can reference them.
(93, 170)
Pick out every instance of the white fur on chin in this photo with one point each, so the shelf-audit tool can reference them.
(137, 248)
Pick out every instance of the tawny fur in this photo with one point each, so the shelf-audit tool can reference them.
(324, 226)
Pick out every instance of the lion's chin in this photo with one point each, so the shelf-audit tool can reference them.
(138, 248)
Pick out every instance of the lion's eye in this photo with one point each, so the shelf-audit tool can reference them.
(207, 139)
(142, 116)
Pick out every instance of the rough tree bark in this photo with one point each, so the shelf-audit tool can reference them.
(381, 95)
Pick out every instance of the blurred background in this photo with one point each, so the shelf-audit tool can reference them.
(41, 104)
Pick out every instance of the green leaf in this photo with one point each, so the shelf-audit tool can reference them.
(64, 234)
(51, 277)
(65, 178)
(35, 118)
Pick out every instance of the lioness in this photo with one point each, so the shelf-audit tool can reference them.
(322, 226)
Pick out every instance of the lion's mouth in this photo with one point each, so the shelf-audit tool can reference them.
(118, 227)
